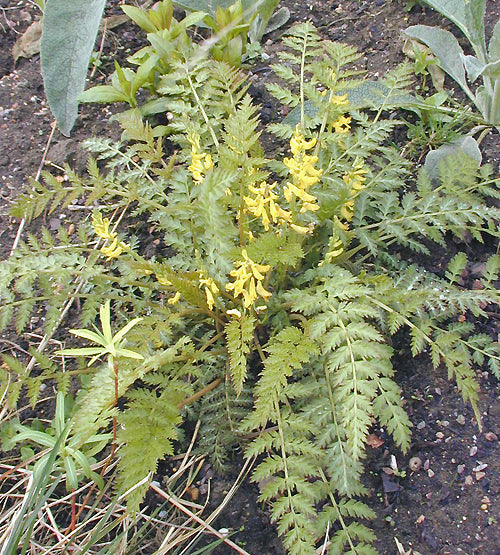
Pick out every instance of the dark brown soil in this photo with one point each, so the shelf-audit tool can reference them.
(452, 504)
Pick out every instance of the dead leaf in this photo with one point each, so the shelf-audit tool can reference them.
(374, 441)
(28, 44)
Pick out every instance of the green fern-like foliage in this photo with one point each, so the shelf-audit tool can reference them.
(269, 290)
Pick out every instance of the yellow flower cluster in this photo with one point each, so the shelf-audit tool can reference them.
(101, 228)
(342, 125)
(263, 205)
(200, 161)
(211, 289)
(339, 100)
(304, 174)
(248, 280)
(355, 178)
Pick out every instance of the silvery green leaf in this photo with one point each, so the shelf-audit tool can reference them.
(483, 101)
(494, 46)
(69, 30)
(277, 20)
(468, 19)
(492, 69)
(473, 67)
(445, 47)
(463, 145)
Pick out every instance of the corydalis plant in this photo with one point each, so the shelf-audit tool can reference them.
(273, 311)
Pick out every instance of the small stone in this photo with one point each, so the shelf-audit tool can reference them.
(445, 423)
(427, 464)
(461, 468)
(438, 390)
(421, 425)
(431, 473)
(415, 464)
(484, 507)
(480, 475)
(439, 435)
(224, 532)
(420, 519)
(480, 466)
(490, 436)
(468, 480)
(473, 450)
(461, 419)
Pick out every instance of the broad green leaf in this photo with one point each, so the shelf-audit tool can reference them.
(467, 15)
(277, 20)
(492, 70)
(69, 30)
(494, 46)
(473, 67)
(445, 47)
(464, 145)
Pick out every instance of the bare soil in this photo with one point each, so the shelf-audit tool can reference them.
(451, 505)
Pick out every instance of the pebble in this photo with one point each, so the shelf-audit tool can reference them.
(461, 468)
(415, 464)
(490, 436)
(421, 425)
(427, 464)
(480, 475)
(431, 473)
(439, 435)
(468, 480)
(461, 419)
(473, 450)
(445, 423)
(480, 466)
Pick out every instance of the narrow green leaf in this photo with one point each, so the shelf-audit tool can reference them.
(103, 93)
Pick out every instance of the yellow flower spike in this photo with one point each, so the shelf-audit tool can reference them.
(248, 276)
(201, 162)
(263, 205)
(174, 299)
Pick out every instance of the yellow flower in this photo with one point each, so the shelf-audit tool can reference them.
(114, 249)
(101, 228)
(163, 280)
(342, 125)
(355, 178)
(339, 100)
(335, 249)
(248, 280)
(211, 289)
(263, 205)
(200, 161)
(175, 298)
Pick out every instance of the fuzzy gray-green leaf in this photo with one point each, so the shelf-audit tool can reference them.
(69, 31)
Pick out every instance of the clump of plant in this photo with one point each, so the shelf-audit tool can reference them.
(466, 69)
(270, 298)
(69, 32)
